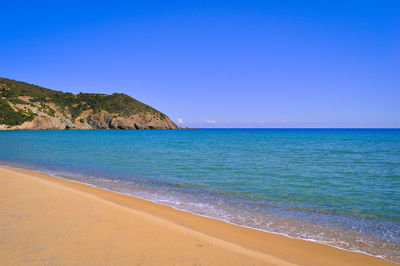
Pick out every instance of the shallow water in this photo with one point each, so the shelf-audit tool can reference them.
(336, 186)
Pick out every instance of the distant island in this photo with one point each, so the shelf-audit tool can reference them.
(25, 106)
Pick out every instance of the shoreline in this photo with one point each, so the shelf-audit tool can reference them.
(188, 211)
(245, 244)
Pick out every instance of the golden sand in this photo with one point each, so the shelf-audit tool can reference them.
(47, 220)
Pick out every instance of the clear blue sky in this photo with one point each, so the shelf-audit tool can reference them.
(217, 63)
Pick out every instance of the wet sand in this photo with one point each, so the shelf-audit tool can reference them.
(48, 220)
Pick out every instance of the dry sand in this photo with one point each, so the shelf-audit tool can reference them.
(48, 220)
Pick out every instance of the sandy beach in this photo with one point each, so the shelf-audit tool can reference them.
(48, 220)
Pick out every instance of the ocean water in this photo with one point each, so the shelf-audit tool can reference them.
(340, 187)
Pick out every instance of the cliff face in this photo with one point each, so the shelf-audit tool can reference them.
(28, 107)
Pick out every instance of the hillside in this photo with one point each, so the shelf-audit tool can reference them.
(27, 106)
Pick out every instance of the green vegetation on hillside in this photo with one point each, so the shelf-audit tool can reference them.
(74, 104)
(9, 116)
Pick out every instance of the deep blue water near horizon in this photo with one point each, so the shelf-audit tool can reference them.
(340, 187)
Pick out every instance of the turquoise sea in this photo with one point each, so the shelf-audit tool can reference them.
(340, 187)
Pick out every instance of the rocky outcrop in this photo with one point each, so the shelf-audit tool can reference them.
(28, 107)
(90, 120)
(106, 120)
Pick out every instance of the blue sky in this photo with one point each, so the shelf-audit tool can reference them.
(217, 63)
